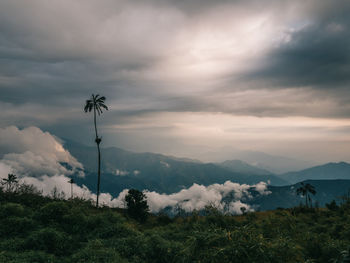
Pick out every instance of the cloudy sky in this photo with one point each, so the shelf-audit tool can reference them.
(182, 77)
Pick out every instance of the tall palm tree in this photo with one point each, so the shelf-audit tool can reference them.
(96, 103)
(71, 181)
(10, 182)
(306, 190)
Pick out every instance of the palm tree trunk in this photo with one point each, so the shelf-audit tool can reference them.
(99, 173)
(306, 203)
(99, 159)
(95, 122)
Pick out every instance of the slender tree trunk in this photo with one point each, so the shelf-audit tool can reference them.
(95, 122)
(71, 191)
(306, 203)
(99, 159)
(99, 173)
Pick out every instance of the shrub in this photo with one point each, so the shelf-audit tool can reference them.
(96, 251)
(27, 257)
(53, 212)
(16, 226)
(48, 240)
(11, 209)
(137, 205)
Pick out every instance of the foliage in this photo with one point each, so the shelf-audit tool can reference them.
(34, 228)
(10, 182)
(306, 190)
(137, 205)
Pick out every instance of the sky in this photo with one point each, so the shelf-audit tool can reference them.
(193, 78)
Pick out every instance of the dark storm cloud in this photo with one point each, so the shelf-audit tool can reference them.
(53, 55)
(316, 55)
(58, 52)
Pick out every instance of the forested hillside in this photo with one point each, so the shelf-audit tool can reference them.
(34, 228)
(156, 172)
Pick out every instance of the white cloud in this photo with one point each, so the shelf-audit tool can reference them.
(60, 183)
(165, 164)
(119, 172)
(198, 196)
(32, 152)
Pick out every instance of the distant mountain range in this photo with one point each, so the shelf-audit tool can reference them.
(243, 167)
(327, 171)
(123, 169)
(274, 163)
(156, 172)
(285, 196)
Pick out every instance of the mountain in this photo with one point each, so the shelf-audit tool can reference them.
(239, 166)
(156, 172)
(339, 170)
(274, 163)
(285, 196)
(243, 167)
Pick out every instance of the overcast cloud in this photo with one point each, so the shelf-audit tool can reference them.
(162, 64)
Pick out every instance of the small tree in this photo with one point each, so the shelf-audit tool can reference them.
(137, 206)
(306, 190)
(71, 181)
(10, 182)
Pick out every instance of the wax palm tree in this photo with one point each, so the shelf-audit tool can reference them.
(96, 103)
(10, 182)
(71, 181)
(306, 190)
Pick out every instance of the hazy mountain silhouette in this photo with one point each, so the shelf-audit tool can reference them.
(243, 167)
(123, 169)
(274, 163)
(285, 196)
(327, 171)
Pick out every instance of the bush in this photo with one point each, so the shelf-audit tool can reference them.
(96, 251)
(53, 212)
(11, 209)
(27, 257)
(12, 226)
(137, 205)
(48, 240)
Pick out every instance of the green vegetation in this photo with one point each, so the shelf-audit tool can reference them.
(34, 228)
(137, 206)
(306, 190)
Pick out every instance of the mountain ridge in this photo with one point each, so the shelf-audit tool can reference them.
(328, 171)
(155, 172)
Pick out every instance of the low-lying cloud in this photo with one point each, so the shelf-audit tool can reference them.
(38, 158)
(32, 152)
(228, 197)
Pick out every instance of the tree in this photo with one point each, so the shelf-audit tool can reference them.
(71, 181)
(11, 181)
(96, 103)
(306, 190)
(137, 205)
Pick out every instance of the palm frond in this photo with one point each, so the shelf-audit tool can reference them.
(101, 99)
(103, 106)
(87, 106)
(96, 102)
